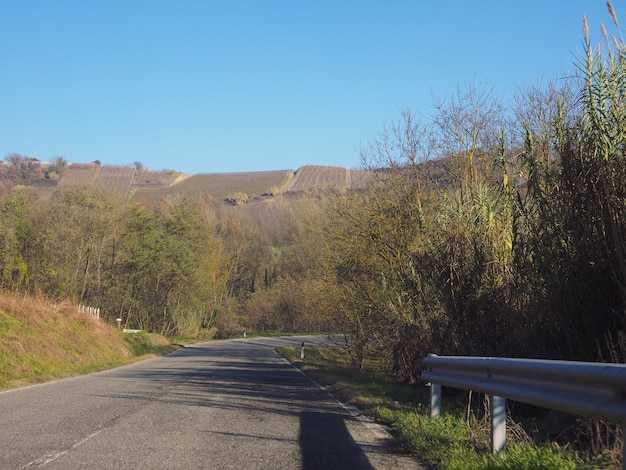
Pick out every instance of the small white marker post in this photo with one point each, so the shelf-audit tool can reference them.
(498, 425)
(119, 322)
(435, 400)
(302, 350)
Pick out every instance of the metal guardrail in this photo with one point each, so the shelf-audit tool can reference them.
(589, 389)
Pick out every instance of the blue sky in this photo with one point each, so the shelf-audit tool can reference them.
(203, 86)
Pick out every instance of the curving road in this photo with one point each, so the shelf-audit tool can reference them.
(217, 405)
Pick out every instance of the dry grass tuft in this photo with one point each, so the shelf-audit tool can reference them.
(158, 340)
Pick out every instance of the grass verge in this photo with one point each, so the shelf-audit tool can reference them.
(41, 341)
(451, 442)
(142, 344)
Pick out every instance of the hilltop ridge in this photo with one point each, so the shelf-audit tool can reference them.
(141, 183)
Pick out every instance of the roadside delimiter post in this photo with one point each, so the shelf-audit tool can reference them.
(498, 424)
(435, 400)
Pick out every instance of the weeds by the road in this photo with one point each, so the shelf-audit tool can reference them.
(454, 441)
(143, 343)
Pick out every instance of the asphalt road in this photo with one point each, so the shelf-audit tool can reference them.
(217, 405)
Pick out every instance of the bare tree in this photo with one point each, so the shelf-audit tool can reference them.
(14, 159)
(60, 164)
(467, 123)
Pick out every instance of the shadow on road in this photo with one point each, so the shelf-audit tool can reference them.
(239, 382)
(326, 443)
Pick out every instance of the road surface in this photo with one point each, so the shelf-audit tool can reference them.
(217, 405)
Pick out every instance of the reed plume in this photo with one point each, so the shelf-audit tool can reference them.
(612, 12)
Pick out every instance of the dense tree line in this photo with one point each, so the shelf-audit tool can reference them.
(196, 268)
(155, 270)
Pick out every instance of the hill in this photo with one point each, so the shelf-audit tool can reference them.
(235, 188)
(142, 184)
(315, 176)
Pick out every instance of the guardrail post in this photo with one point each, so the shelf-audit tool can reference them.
(498, 424)
(435, 400)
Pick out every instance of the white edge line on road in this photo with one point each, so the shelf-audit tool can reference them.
(353, 411)
(55, 454)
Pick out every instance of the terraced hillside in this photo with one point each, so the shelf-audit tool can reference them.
(79, 174)
(316, 176)
(235, 187)
(115, 178)
(142, 184)
(245, 187)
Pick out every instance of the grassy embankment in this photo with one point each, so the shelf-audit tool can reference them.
(450, 442)
(40, 341)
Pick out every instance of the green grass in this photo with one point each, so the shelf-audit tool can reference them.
(20, 368)
(142, 344)
(450, 442)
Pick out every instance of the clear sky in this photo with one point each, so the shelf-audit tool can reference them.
(204, 86)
